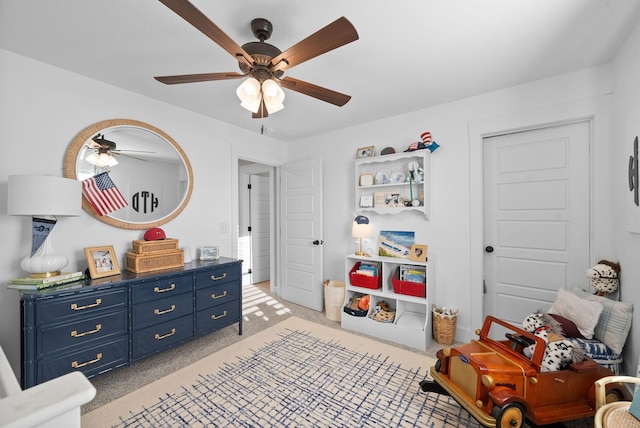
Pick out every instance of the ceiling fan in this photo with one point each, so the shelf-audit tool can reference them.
(263, 63)
(104, 151)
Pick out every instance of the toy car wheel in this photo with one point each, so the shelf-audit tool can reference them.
(510, 416)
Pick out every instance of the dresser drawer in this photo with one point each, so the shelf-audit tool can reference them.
(217, 276)
(161, 310)
(95, 360)
(151, 290)
(79, 305)
(159, 337)
(217, 295)
(217, 317)
(58, 337)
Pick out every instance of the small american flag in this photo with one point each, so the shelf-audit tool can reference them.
(103, 194)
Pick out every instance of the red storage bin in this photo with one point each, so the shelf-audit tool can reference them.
(407, 288)
(365, 281)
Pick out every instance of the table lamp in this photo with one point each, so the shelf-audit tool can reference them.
(361, 229)
(43, 197)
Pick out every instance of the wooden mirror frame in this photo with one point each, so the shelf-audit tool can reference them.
(71, 155)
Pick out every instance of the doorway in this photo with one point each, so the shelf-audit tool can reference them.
(256, 217)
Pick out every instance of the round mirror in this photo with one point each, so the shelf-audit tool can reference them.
(146, 165)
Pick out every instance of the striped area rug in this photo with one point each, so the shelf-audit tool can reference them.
(296, 374)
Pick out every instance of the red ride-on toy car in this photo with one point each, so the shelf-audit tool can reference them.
(494, 381)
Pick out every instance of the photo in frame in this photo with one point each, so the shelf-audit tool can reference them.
(366, 201)
(102, 261)
(418, 253)
(365, 152)
(209, 253)
(392, 243)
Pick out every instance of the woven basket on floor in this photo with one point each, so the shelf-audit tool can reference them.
(444, 326)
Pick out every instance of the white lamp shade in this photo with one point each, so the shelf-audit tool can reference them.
(249, 94)
(43, 195)
(361, 230)
(273, 96)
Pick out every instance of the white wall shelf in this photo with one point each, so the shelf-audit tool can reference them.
(412, 324)
(395, 168)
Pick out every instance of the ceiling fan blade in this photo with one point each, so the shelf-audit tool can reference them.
(338, 33)
(195, 17)
(121, 152)
(203, 77)
(132, 157)
(315, 91)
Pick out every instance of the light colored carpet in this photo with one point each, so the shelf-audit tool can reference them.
(296, 373)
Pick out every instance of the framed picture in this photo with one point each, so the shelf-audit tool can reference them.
(102, 261)
(365, 152)
(393, 243)
(418, 253)
(366, 201)
(209, 253)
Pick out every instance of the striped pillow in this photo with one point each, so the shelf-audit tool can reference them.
(614, 323)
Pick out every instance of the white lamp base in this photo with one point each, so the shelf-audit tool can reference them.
(45, 262)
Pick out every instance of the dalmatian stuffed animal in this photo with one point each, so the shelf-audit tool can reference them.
(604, 277)
(559, 350)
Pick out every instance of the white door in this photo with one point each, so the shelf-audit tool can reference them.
(302, 230)
(260, 228)
(536, 217)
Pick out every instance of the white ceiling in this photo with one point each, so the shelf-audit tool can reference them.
(411, 54)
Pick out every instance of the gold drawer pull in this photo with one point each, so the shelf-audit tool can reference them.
(217, 317)
(74, 333)
(215, 278)
(214, 296)
(157, 290)
(75, 307)
(77, 365)
(166, 311)
(158, 337)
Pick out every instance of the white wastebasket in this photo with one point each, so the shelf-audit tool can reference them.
(333, 299)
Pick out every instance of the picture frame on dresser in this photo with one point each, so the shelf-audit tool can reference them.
(210, 252)
(102, 261)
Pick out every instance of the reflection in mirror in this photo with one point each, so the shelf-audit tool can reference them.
(147, 166)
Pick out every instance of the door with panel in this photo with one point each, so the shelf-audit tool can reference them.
(536, 217)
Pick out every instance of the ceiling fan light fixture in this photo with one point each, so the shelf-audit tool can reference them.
(273, 96)
(102, 160)
(249, 94)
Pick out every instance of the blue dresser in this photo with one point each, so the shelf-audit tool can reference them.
(112, 322)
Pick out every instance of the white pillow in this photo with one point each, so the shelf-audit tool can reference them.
(584, 313)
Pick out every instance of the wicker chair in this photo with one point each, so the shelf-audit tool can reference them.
(614, 414)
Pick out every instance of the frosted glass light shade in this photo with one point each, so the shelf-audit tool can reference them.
(102, 159)
(249, 94)
(273, 96)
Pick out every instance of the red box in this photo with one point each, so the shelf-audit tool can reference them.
(363, 280)
(407, 288)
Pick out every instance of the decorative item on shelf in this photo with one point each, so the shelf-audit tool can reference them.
(44, 198)
(358, 305)
(388, 151)
(366, 179)
(382, 312)
(366, 201)
(365, 152)
(418, 253)
(361, 228)
(209, 253)
(426, 143)
(101, 261)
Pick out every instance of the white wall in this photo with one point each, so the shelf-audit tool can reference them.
(42, 108)
(454, 232)
(626, 75)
